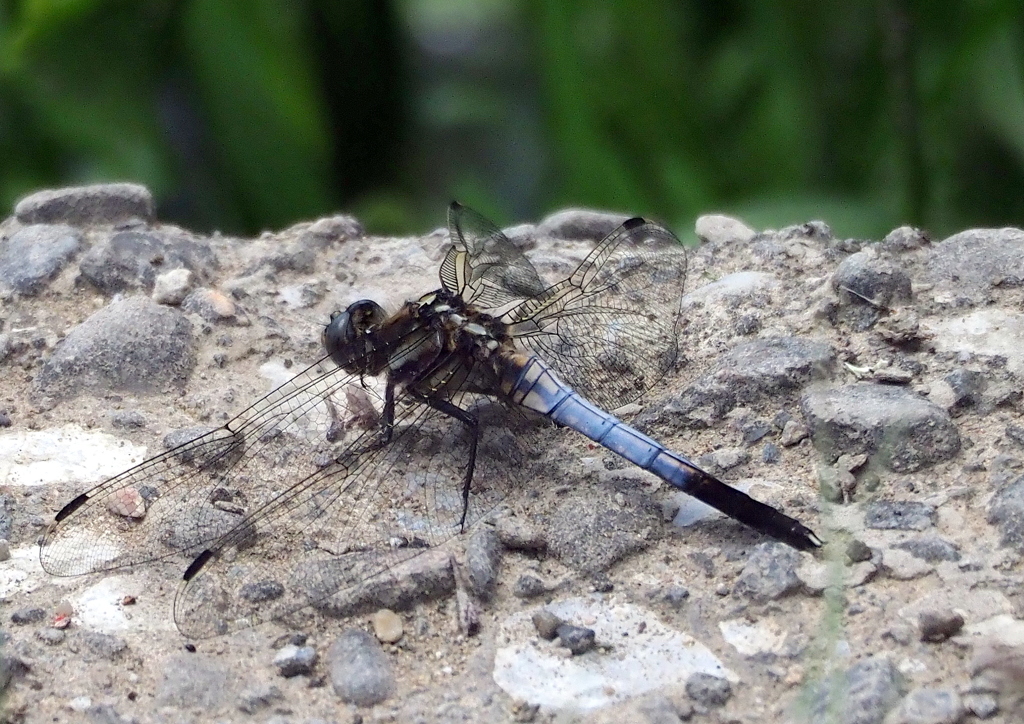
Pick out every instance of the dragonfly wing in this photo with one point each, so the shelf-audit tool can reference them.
(483, 266)
(179, 501)
(611, 329)
(377, 505)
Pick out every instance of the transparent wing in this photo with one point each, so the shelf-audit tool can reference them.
(178, 502)
(611, 329)
(376, 506)
(482, 265)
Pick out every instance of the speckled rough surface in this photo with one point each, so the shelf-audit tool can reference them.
(846, 632)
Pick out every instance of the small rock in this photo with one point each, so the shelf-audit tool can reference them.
(858, 551)
(867, 286)
(899, 515)
(769, 574)
(104, 646)
(580, 224)
(483, 555)
(211, 305)
(51, 636)
(5, 416)
(771, 453)
(5, 550)
(982, 705)
(937, 626)
(172, 287)
(294, 660)
(718, 228)
(1006, 512)
(676, 596)
(792, 433)
(24, 616)
(930, 706)
(708, 691)
(577, 639)
(387, 626)
(34, 255)
(360, 670)
(868, 690)
(527, 587)
(193, 680)
(82, 205)
(901, 566)
(932, 549)
(127, 420)
(546, 624)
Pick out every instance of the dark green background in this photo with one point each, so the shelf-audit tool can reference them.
(243, 115)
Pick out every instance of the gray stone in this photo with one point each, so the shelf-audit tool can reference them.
(937, 626)
(983, 705)
(295, 660)
(35, 254)
(527, 587)
(592, 531)
(717, 228)
(7, 507)
(748, 374)
(51, 636)
(970, 263)
(864, 694)
(359, 669)
(79, 205)
(127, 420)
(707, 690)
(133, 259)
(899, 515)
(816, 230)
(546, 623)
(483, 556)
(424, 577)
(172, 287)
(930, 548)
(897, 428)
(1006, 512)
(104, 646)
(577, 639)
(131, 345)
(931, 706)
(580, 224)
(337, 228)
(24, 616)
(905, 238)
(867, 287)
(769, 573)
(190, 680)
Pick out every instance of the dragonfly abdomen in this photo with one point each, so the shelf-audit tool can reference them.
(530, 382)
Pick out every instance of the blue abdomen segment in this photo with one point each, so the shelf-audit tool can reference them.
(529, 382)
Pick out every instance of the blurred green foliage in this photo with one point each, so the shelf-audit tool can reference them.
(251, 114)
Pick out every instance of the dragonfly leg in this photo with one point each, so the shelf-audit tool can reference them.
(473, 423)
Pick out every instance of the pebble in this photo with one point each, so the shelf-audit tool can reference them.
(793, 431)
(577, 639)
(131, 345)
(708, 691)
(720, 229)
(483, 556)
(172, 287)
(527, 587)
(580, 224)
(1006, 512)
(79, 205)
(190, 680)
(937, 626)
(858, 418)
(24, 616)
(930, 548)
(101, 645)
(294, 660)
(387, 626)
(360, 671)
(899, 515)
(869, 689)
(34, 255)
(5, 550)
(546, 624)
(982, 705)
(769, 573)
(867, 286)
(676, 596)
(930, 706)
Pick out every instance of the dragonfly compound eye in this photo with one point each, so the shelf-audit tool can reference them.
(346, 328)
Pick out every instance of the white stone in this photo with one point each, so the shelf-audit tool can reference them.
(642, 658)
(721, 228)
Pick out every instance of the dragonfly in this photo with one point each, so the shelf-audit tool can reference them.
(400, 438)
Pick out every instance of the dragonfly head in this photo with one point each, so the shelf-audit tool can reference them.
(342, 334)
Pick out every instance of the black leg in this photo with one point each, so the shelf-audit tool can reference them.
(471, 421)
